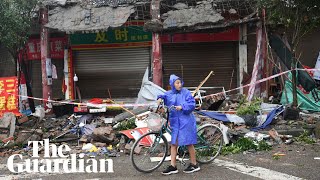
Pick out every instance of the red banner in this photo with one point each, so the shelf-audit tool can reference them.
(9, 95)
(56, 48)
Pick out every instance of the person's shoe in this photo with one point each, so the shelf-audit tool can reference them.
(192, 168)
(170, 170)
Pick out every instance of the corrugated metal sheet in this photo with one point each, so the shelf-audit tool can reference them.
(119, 70)
(194, 61)
(35, 67)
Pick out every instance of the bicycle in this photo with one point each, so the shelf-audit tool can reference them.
(151, 149)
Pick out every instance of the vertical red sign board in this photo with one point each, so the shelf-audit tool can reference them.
(9, 95)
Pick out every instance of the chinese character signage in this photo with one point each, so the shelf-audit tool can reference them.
(56, 48)
(121, 37)
(9, 95)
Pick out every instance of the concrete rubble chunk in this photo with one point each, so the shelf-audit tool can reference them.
(8, 119)
(181, 6)
(78, 19)
(54, 2)
(204, 12)
(103, 134)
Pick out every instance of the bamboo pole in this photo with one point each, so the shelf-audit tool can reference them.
(202, 83)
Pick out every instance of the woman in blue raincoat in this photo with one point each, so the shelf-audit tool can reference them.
(182, 122)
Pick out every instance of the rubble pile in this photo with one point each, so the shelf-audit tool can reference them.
(95, 131)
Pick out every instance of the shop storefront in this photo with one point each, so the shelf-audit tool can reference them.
(193, 56)
(57, 46)
(112, 62)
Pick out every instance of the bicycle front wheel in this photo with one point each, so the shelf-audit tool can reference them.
(149, 152)
(210, 142)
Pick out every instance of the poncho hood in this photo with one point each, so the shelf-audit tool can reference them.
(173, 79)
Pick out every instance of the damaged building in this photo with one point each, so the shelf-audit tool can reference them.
(107, 44)
(110, 42)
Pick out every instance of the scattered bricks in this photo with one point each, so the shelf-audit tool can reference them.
(84, 139)
(128, 148)
(103, 134)
(275, 136)
(8, 139)
(137, 150)
(23, 119)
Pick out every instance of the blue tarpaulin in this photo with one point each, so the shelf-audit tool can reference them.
(214, 115)
(270, 117)
(223, 117)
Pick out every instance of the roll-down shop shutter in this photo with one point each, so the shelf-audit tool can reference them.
(36, 77)
(119, 70)
(194, 61)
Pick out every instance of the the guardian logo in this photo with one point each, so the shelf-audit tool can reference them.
(55, 159)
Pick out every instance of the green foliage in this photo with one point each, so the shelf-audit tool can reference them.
(299, 17)
(245, 144)
(126, 124)
(263, 146)
(246, 108)
(15, 23)
(276, 157)
(305, 138)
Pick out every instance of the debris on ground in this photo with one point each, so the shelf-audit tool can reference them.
(305, 137)
(245, 145)
(96, 129)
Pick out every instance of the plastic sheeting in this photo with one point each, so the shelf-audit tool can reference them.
(270, 118)
(149, 91)
(223, 117)
(305, 101)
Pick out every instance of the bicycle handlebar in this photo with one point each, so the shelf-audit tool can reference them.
(162, 105)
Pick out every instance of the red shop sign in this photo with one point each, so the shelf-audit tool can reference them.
(56, 48)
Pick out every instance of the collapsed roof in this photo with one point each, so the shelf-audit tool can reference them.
(176, 15)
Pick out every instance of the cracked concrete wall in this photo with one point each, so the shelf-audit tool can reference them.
(76, 18)
(186, 16)
(54, 2)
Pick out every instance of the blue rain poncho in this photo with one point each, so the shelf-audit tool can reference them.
(183, 122)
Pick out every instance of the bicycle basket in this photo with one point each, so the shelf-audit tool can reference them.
(155, 121)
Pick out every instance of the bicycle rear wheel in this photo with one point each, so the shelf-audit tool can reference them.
(149, 152)
(210, 142)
